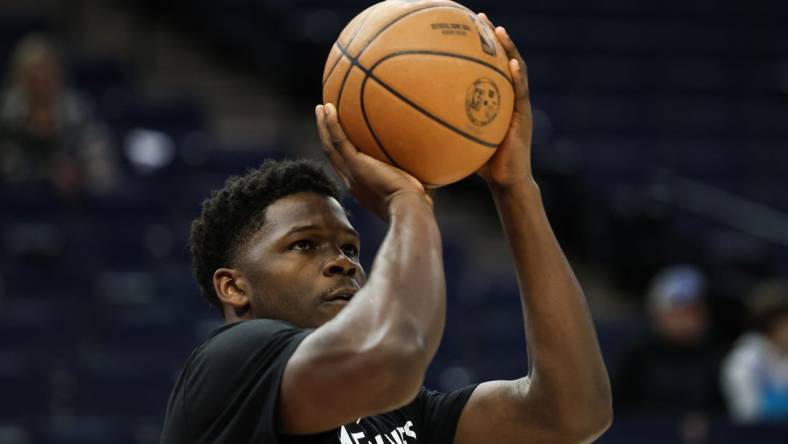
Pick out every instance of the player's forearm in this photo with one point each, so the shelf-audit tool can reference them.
(408, 271)
(404, 302)
(568, 373)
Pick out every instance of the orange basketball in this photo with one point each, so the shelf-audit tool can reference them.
(422, 85)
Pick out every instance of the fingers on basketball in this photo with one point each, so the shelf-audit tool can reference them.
(503, 37)
(517, 66)
(520, 82)
(350, 154)
(338, 139)
(516, 63)
(486, 19)
(330, 145)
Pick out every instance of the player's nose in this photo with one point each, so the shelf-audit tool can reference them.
(340, 264)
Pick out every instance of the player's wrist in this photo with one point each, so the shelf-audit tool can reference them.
(409, 201)
(524, 188)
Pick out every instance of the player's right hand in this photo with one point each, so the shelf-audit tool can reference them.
(374, 184)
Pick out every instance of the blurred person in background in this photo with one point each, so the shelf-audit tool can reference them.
(674, 370)
(755, 372)
(47, 132)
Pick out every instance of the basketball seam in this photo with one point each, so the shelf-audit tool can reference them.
(440, 53)
(360, 26)
(380, 31)
(331, 71)
(344, 80)
(369, 125)
(418, 108)
(350, 42)
(437, 119)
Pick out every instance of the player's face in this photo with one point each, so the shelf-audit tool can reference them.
(303, 263)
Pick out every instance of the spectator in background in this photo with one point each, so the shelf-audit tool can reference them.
(755, 372)
(46, 130)
(674, 370)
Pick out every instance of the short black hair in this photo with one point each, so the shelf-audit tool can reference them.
(232, 214)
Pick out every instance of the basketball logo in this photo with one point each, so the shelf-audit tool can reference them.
(487, 38)
(482, 101)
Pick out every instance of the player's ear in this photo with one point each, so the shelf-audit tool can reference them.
(232, 288)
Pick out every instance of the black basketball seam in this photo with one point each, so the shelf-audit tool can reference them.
(432, 116)
(360, 26)
(350, 42)
(414, 105)
(369, 126)
(331, 71)
(441, 53)
(347, 74)
(380, 31)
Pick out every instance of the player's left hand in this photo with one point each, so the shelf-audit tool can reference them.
(511, 163)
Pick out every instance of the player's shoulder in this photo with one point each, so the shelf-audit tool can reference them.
(253, 327)
(243, 335)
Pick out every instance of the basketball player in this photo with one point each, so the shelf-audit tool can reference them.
(313, 351)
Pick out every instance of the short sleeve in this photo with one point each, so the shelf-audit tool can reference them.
(231, 385)
(440, 413)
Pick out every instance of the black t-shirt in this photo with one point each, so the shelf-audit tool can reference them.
(658, 376)
(228, 390)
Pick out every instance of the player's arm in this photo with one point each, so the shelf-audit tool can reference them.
(372, 356)
(565, 398)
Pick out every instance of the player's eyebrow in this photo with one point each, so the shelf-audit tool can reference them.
(302, 228)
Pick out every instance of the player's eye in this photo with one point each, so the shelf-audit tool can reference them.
(302, 244)
(350, 250)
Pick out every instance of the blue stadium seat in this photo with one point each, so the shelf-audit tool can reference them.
(97, 76)
(128, 384)
(98, 429)
(23, 383)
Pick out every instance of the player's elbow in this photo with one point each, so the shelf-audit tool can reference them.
(600, 422)
(589, 426)
(404, 382)
(581, 420)
(602, 417)
(597, 411)
(404, 363)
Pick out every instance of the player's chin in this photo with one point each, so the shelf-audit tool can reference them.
(333, 307)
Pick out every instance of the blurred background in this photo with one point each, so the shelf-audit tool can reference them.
(660, 147)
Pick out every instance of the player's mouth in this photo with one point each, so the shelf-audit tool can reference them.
(340, 296)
